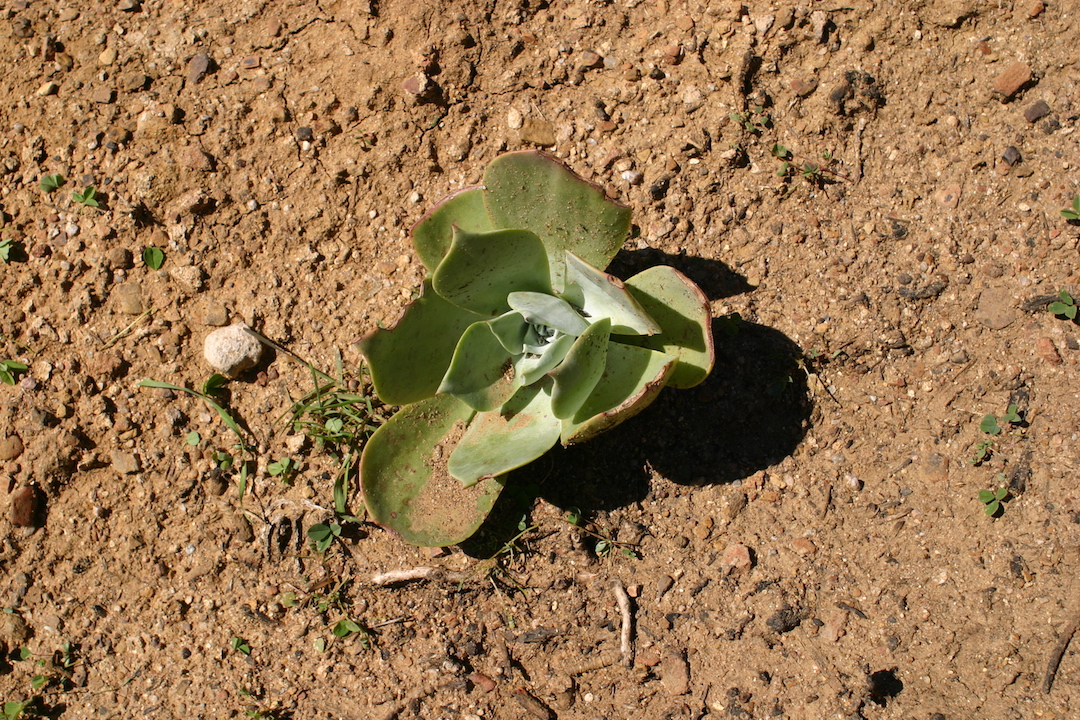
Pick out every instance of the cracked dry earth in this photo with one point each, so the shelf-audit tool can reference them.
(802, 532)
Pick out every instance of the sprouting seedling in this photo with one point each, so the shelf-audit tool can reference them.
(323, 534)
(993, 499)
(153, 257)
(283, 468)
(9, 369)
(6, 246)
(193, 438)
(237, 643)
(1072, 213)
(87, 197)
(49, 183)
(223, 459)
(753, 121)
(1064, 307)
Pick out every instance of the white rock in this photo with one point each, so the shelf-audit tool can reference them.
(514, 119)
(231, 350)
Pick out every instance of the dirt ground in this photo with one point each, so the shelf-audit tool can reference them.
(800, 536)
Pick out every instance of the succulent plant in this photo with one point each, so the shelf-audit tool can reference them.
(517, 342)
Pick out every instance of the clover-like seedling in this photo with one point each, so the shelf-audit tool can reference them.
(237, 643)
(993, 499)
(1072, 213)
(49, 183)
(6, 246)
(1064, 307)
(153, 257)
(323, 534)
(87, 197)
(10, 369)
(518, 341)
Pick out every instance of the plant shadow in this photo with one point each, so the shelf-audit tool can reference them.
(749, 414)
(715, 278)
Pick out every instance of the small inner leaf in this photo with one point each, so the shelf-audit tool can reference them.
(510, 328)
(548, 310)
(530, 368)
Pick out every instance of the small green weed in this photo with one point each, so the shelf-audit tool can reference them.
(214, 385)
(49, 183)
(6, 246)
(991, 425)
(324, 534)
(153, 257)
(605, 542)
(237, 643)
(88, 197)
(993, 499)
(9, 369)
(283, 468)
(1064, 307)
(1072, 213)
(754, 121)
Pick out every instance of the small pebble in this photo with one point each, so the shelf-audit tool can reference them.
(804, 546)
(675, 674)
(1037, 111)
(1011, 155)
(49, 88)
(1012, 78)
(737, 556)
(25, 503)
(11, 447)
(514, 119)
(1046, 349)
(198, 67)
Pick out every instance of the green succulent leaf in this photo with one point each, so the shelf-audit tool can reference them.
(481, 269)
(600, 295)
(548, 310)
(633, 377)
(497, 442)
(406, 484)
(432, 234)
(482, 371)
(682, 311)
(532, 191)
(409, 361)
(986, 496)
(511, 329)
(577, 375)
(530, 368)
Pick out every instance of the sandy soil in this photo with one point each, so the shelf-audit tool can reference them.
(800, 536)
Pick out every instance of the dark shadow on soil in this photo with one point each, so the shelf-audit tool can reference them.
(714, 278)
(749, 414)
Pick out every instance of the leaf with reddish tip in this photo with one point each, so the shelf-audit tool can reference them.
(682, 311)
(498, 442)
(633, 377)
(434, 232)
(481, 269)
(407, 487)
(531, 190)
(409, 361)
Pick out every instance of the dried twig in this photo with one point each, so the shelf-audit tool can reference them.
(1059, 653)
(396, 576)
(1063, 642)
(126, 330)
(626, 637)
